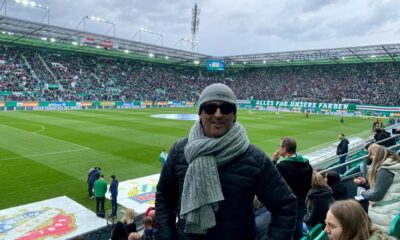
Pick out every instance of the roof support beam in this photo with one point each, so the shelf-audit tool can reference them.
(390, 55)
(356, 55)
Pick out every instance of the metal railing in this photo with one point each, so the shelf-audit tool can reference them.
(363, 169)
(355, 150)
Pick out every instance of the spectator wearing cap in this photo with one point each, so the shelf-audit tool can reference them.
(211, 177)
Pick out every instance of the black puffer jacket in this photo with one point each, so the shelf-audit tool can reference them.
(251, 173)
(318, 201)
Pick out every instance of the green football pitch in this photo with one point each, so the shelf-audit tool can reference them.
(45, 154)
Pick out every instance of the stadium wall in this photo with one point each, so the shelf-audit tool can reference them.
(71, 105)
(265, 105)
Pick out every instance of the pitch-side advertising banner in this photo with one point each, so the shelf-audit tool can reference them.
(138, 194)
(57, 218)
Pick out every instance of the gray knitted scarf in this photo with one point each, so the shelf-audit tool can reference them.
(202, 189)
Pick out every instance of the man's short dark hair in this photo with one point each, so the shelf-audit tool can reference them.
(289, 144)
(102, 175)
(113, 177)
(341, 134)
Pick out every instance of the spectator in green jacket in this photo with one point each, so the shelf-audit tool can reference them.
(163, 157)
(100, 189)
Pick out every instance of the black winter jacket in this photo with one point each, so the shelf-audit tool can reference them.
(318, 201)
(343, 147)
(384, 135)
(298, 176)
(339, 191)
(249, 174)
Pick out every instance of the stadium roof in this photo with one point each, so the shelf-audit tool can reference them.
(33, 34)
(350, 55)
(22, 32)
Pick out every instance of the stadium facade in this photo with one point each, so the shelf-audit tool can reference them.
(33, 34)
(27, 34)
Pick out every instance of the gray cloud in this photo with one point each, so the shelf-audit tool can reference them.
(229, 27)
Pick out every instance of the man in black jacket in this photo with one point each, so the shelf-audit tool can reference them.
(383, 138)
(341, 151)
(211, 177)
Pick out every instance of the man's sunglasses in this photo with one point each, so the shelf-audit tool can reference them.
(226, 108)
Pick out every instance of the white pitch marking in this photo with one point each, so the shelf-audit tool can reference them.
(46, 137)
(43, 154)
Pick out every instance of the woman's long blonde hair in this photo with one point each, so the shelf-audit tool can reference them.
(318, 180)
(355, 223)
(129, 216)
(379, 154)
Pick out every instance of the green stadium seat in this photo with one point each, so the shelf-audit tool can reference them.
(316, 230)
(394, 230)
(322, 236)
(353, 170)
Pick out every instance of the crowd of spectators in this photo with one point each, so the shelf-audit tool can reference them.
(44, 75)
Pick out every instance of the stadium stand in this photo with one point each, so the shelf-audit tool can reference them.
(38, 74)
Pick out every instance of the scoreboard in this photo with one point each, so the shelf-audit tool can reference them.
(215, 65)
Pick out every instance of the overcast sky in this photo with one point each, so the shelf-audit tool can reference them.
(233, 27)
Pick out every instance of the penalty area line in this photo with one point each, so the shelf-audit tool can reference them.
(43, 154)
(35, 133)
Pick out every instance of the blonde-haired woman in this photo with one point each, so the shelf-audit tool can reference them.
(126, 227)
(318, 200)
(347, 220)
(384, 182)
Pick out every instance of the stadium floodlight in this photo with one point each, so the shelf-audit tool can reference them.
(74, 43)
(126, 51)
(145, 30)
(187, 40)
(151, 55)
(197, 62)
(97, 19)
(27, 3)
(52, 39)
(264, 62)
(195, 26)
(166, 57)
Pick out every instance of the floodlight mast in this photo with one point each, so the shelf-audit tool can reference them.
(144, 30)
(187, 40)
(97, 19)
(31, 4)
(195, 26)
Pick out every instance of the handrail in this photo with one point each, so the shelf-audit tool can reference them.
(366, 141)
(355, 150)
(355, 160)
